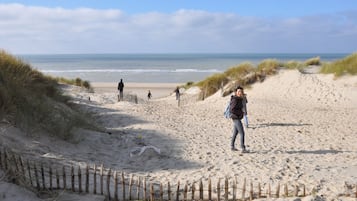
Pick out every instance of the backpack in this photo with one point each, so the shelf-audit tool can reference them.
(227, 112)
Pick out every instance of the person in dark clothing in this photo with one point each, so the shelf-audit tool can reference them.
(121, 89)
(236, 110)
(149, 95)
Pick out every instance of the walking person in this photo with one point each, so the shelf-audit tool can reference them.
(245, 116)
(177, 92)
(121, 89)
(236, 110)
(149, 95)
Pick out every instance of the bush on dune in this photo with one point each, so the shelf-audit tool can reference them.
(33, 101)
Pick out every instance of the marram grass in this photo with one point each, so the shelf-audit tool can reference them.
(33, 101)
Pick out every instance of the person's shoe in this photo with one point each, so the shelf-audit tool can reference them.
(245, 151)
(234, 149)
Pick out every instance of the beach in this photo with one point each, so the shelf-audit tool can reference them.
(302, 132)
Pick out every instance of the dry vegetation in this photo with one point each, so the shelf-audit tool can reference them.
(34, 102)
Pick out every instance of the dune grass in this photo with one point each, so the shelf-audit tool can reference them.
(347, 65)
(33, 101)
(246, 74)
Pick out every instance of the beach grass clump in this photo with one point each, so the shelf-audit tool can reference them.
(77, 82)
(34, 102)
(347, 65)
(293, 65)
(239, 71)
(315, 61)
(268, 66)
(212, 84)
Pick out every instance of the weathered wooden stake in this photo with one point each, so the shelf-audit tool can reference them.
(37, 179)
(178, 191)
(57, 179)
(108, 182)
(168, 191)
(116, 198)
(286, 190)
(152, 198)
(50, 177)
(234, 189)
(79, 179)
(296, 191)
(251, 191)
(87, 178)
(244, 188)
(123, 184)
(131, 186)
(193, 191)
(43, 177)
(278, 190)
(161, 192)
(209, 189)
(95, 179)
(138, 189)
(64, 177)
(72, 178)
(101, 179)
(259, 191)
(29, 172)
(219, 190)
(226, 189)
(185, 191)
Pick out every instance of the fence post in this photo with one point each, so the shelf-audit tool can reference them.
(95, 179)
(168, 191)
(269, 191)
(138, 189)
(72, 178)
(50, 177)
(29, 171)
(234, 189)
(209, 189)
(152, 192)
(251, 191)
(43, 177)
(296, 190)
(123, 184)
(37, 179)
(243, 191)
(185, 192)
(1, 162)
(304, 191)
(108, 182)
(193, 191)
(116, 186)
(101, 179)
(286, 190)
(131, 186)
(161, 192)
(278, 190)
(259, 190)
(219, 190)
(178, 191)
(57, 179)
(226, 189)
(5, 159)
(22, 167)
(87, 179)
(144, 189)
(79, 179)
(64, 177)
(201, 190)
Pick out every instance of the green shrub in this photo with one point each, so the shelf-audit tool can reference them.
(212, 84)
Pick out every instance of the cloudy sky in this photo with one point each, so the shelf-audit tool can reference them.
(178, 26)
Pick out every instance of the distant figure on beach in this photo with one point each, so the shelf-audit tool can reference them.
(236, 110)
(245, 116)
(121, 89)
(177, 92)
(149, 95)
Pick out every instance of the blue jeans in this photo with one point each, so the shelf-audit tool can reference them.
(238, 128)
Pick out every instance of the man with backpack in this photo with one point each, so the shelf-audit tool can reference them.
(236, 114)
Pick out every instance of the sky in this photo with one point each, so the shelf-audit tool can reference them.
(178, 26)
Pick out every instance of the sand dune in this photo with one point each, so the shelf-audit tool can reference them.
(303, 131)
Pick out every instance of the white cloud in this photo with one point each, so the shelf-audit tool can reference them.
(28, 29)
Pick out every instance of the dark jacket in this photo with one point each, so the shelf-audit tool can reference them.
(236, 109)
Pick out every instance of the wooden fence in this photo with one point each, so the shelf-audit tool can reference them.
(116, 185)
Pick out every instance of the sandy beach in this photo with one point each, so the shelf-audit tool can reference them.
(302, 131)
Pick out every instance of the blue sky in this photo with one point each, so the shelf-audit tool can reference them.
(178, 26)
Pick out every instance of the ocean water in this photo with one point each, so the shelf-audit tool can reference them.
(151, 68)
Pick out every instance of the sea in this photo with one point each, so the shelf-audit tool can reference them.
(153, 68)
